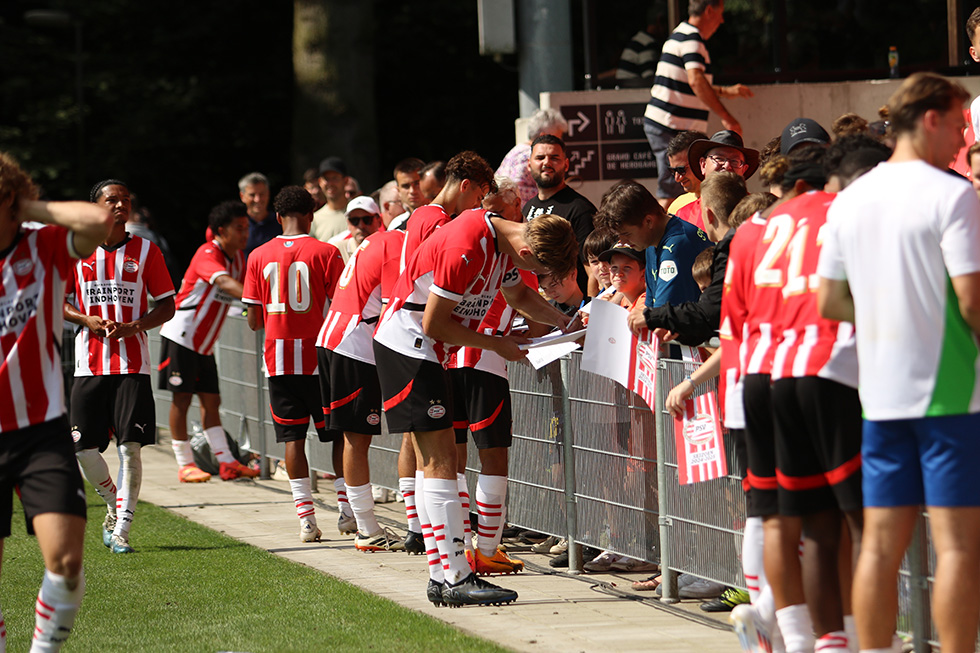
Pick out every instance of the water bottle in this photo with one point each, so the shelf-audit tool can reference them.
(893, 62)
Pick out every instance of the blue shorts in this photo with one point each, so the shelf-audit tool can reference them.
(928, 460)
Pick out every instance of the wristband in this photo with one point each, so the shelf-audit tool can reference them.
(691, 381)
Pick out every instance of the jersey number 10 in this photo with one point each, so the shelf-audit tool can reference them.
(297, 284)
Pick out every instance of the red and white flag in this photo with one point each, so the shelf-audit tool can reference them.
(700, 449)
(643, 367)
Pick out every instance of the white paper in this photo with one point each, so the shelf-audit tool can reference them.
(607, 343)
(553, 338)
(538, 357)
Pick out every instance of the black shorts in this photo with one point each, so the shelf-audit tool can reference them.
(760, 445)
(418, 394)
(294, 399)
(40, 462)
(741, 469)
(114, 404)
(818, 445)
(185, 370)
(355, 402)
(481, 404)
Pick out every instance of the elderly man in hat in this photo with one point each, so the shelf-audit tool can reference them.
(723, 151)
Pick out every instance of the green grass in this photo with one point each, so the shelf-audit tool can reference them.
(189, 588)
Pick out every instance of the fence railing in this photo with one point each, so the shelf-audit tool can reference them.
(586, 464)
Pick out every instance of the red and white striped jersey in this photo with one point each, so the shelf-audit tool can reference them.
(364, 286)
(422, 223)
(809, 345)
(291, 280)
(201, 306)
(767, 297)
(34, 271)
(459, 262)
(113, 283)
(736, 299)
(498, 321)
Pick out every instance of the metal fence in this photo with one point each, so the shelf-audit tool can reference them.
(586, 464)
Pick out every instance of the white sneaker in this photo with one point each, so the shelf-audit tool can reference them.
(308, 531)
(602, 562)
(560, 547)
(753, 635)
(545, 545)
(346, 524)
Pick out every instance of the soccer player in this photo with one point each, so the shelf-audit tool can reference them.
(353, 396)
(481, 406)
(112, 393)
(911, 225)
(468, 179)
(436, 306)
(288, 285)
(36, 453)
(213, 281)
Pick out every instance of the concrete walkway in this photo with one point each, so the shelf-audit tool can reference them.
(555, 612)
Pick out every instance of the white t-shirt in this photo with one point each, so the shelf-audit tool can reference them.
(897, 235)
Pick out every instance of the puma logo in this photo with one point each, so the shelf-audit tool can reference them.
(465, 258)
(670, 248)
(141, 427)
(90, 266)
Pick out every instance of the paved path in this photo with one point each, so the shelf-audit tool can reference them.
(555, 612)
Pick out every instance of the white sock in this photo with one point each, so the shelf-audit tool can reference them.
(796, 627)
(362, 503)
(491, 491)
(183, 453)
(446, 512)
(96, 472)
(55, 610)
(833, 641)
(219, 444)
(406, 485)
(425, 527)
(850, 627)
(303, 498)
(752, 565)
(130, 479)
(464, 500)
(343, 505)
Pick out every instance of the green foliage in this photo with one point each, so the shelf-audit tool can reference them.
(191, 589)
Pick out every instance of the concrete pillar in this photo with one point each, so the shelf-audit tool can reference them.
(544, 42)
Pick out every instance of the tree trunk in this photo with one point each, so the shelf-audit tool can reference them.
(333, 60)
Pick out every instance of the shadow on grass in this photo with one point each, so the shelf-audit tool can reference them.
(191, 547)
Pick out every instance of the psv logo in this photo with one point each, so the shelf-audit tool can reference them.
(131, 265)
(436, 411)
(23, 267)
(374, 419)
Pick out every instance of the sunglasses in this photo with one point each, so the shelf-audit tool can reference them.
(364, 219)
(678, 170)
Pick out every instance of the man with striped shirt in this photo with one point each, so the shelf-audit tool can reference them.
(682, 93)
(212, 282)
(112, 394)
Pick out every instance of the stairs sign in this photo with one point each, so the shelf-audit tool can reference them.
(606, 141)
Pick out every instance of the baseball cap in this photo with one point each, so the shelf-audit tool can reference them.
(333, 164)
(364, 203)
(625, 250)
(802, 130)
